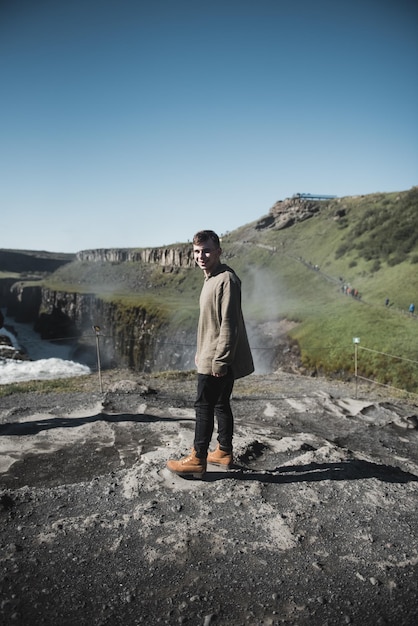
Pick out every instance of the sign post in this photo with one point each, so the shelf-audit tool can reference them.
(99, 368)
(356, 341)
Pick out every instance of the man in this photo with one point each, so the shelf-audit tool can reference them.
(223, 355)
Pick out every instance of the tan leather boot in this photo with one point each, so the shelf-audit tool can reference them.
(188, 466)
(220, 457)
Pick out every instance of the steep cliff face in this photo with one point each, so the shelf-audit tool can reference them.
(174, 256)
(127, 335)
(132, 336)
(287, 212)
(5, 291)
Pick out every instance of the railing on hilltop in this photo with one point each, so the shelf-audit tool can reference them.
(312, 196)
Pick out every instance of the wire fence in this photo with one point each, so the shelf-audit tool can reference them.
(92, 338)
(379, 370)
(357, 365)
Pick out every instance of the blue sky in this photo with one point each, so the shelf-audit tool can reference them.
(127, 123)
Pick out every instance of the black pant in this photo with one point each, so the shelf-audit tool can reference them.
(213, 398)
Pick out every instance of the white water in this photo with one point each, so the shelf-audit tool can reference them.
(50, 360)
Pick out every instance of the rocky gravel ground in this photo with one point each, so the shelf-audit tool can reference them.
(315, 524)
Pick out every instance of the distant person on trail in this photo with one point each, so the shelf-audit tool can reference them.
(223, 355)
(387, 302)
(411, 308)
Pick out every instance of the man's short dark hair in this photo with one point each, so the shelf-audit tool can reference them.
(204, 235)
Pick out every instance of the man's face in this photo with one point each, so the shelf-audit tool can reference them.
(206, 255)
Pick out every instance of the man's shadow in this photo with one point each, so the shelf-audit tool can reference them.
(352, 469)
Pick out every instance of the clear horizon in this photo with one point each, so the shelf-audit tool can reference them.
(135, 124)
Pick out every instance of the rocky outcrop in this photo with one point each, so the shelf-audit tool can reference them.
(174, 256)
(287, 212)
(8, 350)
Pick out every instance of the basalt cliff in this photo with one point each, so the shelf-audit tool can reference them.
(128, 335)
(170, 257)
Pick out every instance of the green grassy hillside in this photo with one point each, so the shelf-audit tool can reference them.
(368, 242)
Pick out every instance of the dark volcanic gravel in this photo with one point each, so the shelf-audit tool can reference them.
(316, 523)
